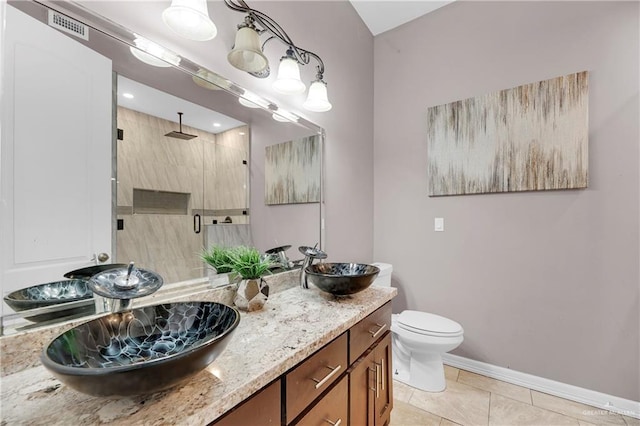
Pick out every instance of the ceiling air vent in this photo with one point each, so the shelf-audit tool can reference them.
(68, 25)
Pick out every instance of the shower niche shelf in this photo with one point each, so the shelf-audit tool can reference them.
(149, 201)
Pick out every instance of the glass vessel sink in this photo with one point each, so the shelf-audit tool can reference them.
(89, 271)
(341, 279)
(51, 294)
(143, 350)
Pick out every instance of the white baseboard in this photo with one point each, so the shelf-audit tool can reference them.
(600, 400)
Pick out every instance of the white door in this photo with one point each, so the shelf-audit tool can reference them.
(55, 158)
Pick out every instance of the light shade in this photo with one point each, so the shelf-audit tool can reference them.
(152, 54)
(317, 100)
(247, 54)
(284, 116)
(288, 81)
(209, 80)
(190, 19)
(251, 100)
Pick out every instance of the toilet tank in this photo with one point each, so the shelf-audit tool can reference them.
(384, 277)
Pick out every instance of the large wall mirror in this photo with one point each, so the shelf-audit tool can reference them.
(175, 183)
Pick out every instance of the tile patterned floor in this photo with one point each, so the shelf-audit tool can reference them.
(474, 400)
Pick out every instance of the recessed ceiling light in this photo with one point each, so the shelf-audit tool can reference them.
(127, 95)
(217, 124)
(241, 133)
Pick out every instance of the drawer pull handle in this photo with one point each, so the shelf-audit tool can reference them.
(336, 423)
(321, 382)
(383, 372)
(369, 378)
(377, 381)
(381, 327)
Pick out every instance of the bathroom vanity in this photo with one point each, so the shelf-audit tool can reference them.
(305, 355)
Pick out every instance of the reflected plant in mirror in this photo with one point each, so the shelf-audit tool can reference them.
(218, 258)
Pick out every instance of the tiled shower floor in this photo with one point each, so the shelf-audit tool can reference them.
(471, 399)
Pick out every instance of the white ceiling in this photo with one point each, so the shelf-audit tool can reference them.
(163, 105)
(383, 15)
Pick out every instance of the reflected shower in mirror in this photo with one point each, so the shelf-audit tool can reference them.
(172, 181)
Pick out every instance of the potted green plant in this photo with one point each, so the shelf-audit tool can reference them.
(251, 266)
(217, 257)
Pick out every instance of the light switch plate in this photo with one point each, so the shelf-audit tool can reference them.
(438, 224)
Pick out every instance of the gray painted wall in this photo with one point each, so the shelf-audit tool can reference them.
(543, 282)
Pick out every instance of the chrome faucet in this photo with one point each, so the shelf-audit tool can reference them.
(310, 254)
(280, 257)
(114, 288)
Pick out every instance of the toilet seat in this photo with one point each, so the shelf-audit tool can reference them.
(428, 324)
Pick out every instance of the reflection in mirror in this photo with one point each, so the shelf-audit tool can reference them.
(173, 182)
(170, 197)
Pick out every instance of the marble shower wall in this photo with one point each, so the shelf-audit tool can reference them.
(208, 168)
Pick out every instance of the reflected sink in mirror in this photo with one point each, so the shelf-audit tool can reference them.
(89, 271)
(141, 351)
(341, 279)
(51, 294)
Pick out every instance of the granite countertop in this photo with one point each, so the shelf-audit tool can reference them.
(293, 324)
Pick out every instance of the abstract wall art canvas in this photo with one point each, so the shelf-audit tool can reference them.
(528, 138)
(292, 172)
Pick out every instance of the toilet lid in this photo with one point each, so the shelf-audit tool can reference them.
(431, 324)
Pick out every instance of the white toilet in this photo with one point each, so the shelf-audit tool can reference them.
(419, 340)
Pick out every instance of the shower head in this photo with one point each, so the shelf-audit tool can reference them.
(179, 134)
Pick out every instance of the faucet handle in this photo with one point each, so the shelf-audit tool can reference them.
(312, 252)
(125, 282)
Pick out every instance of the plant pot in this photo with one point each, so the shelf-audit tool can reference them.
(252, 294)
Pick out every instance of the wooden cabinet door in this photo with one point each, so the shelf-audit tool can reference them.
(361, 391)
(384, 386)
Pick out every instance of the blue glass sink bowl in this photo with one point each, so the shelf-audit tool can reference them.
(342, 279)
(141, 351)
(49, 294)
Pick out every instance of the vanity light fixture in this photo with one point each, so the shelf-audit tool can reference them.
(209, 80)
(152, 54)
(190, 19)
(288, 81)
(251, 100)
(317, 100)
(284, 116)
(247, 103)
(247, 55)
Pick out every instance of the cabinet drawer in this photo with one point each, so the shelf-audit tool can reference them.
(332, 409)
(308, 380)
(263, 407)
(368, 331)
